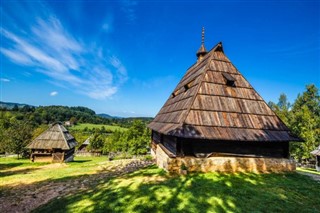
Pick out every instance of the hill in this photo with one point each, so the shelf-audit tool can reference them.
(50, 114)
(10, 105)
(103, 115)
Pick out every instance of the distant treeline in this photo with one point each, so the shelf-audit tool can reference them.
(50, 114)
(19, 125)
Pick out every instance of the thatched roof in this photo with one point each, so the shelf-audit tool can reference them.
(316, 152)
(56, 137)
(214, 101)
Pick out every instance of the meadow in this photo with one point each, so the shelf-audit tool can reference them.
(93, 184)
(111, 128)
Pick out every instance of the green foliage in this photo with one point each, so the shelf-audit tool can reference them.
(135, 140)
(80, 136)
(87, 127)
(96, 142)
(15, 134)
(282, 108)
(303, 118)
(38, 130)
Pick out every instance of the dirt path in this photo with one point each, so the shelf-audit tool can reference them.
(28, 197)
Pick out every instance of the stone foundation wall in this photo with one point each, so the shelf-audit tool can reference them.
(223, 164)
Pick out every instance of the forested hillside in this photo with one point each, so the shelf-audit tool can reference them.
(19, 125)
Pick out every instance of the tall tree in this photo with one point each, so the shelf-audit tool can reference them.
(282, 108)
(305, 122)
(19, 135)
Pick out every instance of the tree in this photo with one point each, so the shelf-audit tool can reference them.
(138, 139)
(5, 118)
(19, 136)
(15, 108)
(134, 141)
(305, 122)
(96, 142)
(40, 129)
(282, 108)
(309, 98)
(73, 121)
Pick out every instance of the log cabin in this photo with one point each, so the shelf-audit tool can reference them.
(214, 120)
(55, 145)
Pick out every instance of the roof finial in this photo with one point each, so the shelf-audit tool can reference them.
(202, 50)
(202, 38)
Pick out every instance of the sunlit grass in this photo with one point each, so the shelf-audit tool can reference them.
(152, 190)
(308, 170)
(97, 126)
(15, 171)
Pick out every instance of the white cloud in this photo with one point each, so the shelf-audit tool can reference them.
(54, 93)
(4, 80)
(52, 50)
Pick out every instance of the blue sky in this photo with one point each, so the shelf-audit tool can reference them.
(125, 57)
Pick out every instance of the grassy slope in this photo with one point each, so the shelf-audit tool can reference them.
(97, 126)
(152, 190)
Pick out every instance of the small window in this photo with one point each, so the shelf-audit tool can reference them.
(188, 85)
(174, 94)
(229, 79)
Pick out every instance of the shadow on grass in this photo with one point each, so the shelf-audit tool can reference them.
(79, 161)
(153, 190)
(5, 166)
(20, 171)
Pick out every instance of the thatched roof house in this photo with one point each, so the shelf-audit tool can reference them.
(214, 111)
(55, 144)
(84, 151)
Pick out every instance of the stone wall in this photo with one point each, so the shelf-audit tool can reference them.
(223, 164)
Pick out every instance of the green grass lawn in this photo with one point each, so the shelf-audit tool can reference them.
(308, 170)
(15, 171)
(97, 126)
(153, 190)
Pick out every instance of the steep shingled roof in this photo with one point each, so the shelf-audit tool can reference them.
(214, 101)
(55, 137)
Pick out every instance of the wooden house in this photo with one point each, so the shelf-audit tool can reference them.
(316, 153)
(55, 144)
(214, 120)
(83, 148)
(84, 151)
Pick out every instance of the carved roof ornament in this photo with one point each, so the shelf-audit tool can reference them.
(202, 50)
